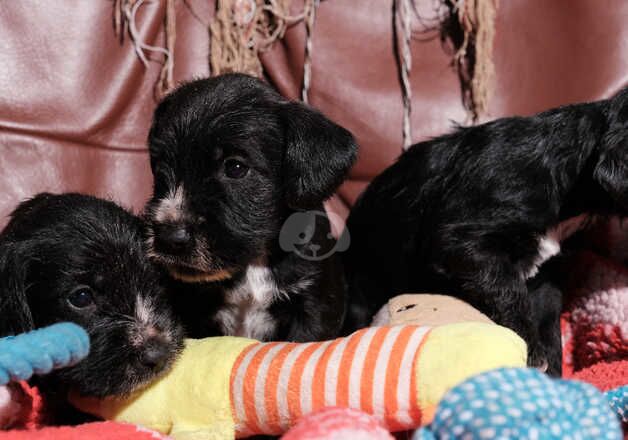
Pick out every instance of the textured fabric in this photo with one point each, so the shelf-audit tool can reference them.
(396, 373)
(596, 314)
(604, 375)
(338, 424)
(223, 386)
(618, 399)
(275, 384)
(40, 351)
(456, 352)
(88, 431)
(522, 404)
(190, 402)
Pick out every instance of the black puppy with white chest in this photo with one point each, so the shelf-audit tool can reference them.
(477, 212)
(232, 162)
(77, 258)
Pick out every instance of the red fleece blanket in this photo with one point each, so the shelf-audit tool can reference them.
(595, 321)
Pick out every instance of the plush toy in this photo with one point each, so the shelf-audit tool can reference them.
(227, 386)
(36, 352)
(427, 309)
(524, 403)
(335, 423)
(618, 400)
(40, 351)
(500, 404)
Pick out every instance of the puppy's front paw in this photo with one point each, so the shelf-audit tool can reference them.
(550, 364)
(543, 367)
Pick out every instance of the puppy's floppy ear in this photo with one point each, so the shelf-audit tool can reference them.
(318, 154)
(15, 314)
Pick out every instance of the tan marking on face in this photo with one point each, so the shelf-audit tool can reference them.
(201, 277)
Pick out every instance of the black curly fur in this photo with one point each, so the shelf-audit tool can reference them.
(56, 244)
(296, 159)
(462, 214)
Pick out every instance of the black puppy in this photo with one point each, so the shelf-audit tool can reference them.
(77, 258)
(475, 213)
(232, 162)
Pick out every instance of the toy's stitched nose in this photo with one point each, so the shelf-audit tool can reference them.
(173, 238)
(154, 355)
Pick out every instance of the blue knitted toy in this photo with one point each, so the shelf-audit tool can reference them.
(40, 351)
(522, 403)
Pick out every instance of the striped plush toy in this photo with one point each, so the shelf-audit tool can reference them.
(228, 387)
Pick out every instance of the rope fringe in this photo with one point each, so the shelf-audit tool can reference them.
(242, 29)
(307, 63)
(474, 58)
(404, 60)
(124, 22)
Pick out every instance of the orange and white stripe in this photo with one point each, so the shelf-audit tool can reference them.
(274, 384)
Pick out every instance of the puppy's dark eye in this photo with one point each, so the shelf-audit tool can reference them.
(81, 298)
(235, 169)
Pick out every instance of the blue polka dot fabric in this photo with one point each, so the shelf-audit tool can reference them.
(522, 403)
(618, 399)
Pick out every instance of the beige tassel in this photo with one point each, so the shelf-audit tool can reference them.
(474, 58)
(241, 29)
(124, 12)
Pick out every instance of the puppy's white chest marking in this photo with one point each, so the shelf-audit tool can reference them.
(245, 312)
(549, 244)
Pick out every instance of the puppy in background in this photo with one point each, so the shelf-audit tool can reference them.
(232, 162)
(77, 258)
(477, 212)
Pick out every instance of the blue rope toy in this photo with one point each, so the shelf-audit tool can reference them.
(41, 351)
(522, 403)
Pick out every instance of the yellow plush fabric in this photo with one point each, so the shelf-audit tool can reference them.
(192, 402)
(458, 351)
(227, 387)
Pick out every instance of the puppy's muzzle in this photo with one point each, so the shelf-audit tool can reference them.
(172, 239)
(155, 354)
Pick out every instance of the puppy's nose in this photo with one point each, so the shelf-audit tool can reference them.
(154, 355)
(172, 238)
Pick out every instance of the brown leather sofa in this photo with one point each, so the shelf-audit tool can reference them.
(76, 103)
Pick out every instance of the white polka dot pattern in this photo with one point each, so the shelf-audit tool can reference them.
(520, 403)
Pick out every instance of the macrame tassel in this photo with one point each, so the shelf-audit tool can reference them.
(124, 14)
(241, 29)
(474, 58)
(310, 17)
(404, 61)
(166, 76)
